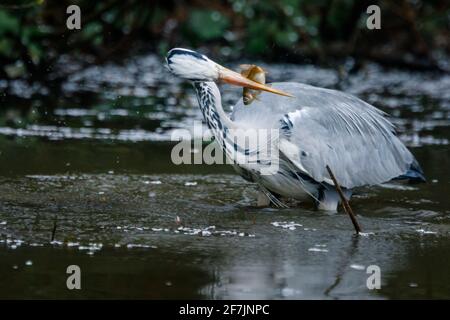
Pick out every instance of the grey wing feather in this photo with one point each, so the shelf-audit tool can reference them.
(326, 127)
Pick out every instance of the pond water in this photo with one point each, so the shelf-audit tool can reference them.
(86, 179)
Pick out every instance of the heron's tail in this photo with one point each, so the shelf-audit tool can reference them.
(414, 173)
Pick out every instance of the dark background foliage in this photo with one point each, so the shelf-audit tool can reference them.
(34, 37)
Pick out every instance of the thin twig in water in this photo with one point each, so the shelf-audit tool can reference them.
(53, 230)
(345, 203)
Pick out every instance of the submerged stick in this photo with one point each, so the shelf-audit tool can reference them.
(345, 203)
(54, 229)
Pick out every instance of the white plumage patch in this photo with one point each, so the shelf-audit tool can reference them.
(191, 65)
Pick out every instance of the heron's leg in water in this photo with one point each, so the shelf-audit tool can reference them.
(262, 200)
(329, 199)
(274, 198)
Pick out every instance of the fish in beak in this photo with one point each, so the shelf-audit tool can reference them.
(255, 73)
(234, 78)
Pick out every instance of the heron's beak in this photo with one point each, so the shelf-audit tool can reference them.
(231, 77)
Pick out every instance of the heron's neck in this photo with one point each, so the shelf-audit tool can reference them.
(210, 103)
(223, 128)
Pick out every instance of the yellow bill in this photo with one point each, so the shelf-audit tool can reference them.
(234, 78)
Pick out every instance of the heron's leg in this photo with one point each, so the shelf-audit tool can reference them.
(262, 200)
(329, 199)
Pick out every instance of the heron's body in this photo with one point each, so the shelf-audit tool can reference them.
(316, 128)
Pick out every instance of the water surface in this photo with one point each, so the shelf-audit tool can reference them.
(90, 166)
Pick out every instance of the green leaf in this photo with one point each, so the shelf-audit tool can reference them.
(207, 24)
(8, 23)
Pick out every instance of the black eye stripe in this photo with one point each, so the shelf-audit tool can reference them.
(185, 52)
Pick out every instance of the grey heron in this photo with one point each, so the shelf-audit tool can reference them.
(317, 128)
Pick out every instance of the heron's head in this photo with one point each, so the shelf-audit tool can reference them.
(193, 66)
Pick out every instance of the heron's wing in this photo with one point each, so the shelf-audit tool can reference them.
(326, 127)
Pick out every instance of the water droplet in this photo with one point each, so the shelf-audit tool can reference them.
(317, 250)
(357, 266)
